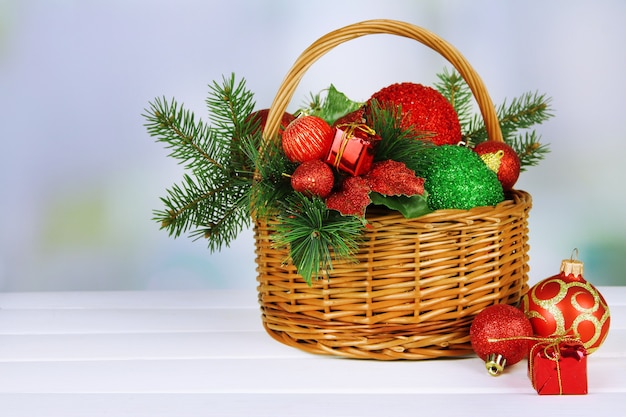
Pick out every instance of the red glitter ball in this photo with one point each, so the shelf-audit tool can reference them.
(313, 178)
(424, 110)
(509, 167)
(497, 322)
(394, 178)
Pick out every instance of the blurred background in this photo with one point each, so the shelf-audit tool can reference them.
(79, 176)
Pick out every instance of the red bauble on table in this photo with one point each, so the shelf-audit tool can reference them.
(307, 138)
(567, 305)
(500, 336)
(502, 159)
(313, 178)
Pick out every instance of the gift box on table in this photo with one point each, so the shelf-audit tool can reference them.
(558, 367)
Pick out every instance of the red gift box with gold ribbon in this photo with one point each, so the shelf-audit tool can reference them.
(352, 148)
(558, 367)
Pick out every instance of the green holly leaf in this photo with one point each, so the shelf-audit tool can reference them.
(410, 207)
(336, 105)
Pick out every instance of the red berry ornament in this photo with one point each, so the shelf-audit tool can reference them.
(567, 305)
(502, 159)
(313, 178)
(307, 138)
(499, 335)
(423, 109)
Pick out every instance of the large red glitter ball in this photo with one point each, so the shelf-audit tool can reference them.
(423, 109)
(508, 168)
(568, 305)
(501, 329)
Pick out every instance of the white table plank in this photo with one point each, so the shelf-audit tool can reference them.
(304, 405)
(50, 321)
(181, 345)
(92, 321)
(314, 375)
(136, 346)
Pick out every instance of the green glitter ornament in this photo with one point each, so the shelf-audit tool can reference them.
(456, 178)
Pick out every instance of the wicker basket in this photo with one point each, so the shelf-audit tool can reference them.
(419, 282)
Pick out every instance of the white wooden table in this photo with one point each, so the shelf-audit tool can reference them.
(206, 354)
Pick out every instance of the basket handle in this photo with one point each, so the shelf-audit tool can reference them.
(382, 26)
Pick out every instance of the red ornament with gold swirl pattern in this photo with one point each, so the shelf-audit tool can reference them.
(567, 305)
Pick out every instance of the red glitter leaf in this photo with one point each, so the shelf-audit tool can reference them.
(352, 199)
(393, 178)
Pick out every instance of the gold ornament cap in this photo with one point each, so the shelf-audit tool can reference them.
(495, 364)
(493, 160)
(572, 266)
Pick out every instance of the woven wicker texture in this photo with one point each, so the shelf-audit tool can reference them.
(417, 283)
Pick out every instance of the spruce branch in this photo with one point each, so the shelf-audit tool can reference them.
(529, 149)
(204, 210)
(191, 142)
(270, 170)
(212, 199)
(454, 88)
(398, 144)
(315, 235)
(229, 105)
(516, 118)
(521, 113)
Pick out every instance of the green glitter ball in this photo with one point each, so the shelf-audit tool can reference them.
(457, 178)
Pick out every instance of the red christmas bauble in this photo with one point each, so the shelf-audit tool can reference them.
(423, 109)
(314, 178)
(499, 335)
(502, 159)
(307, 138)
(567, 305)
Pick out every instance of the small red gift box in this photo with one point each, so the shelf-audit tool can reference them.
(352, 149)
(559, 367)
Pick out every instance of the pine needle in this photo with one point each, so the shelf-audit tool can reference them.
(316, 235)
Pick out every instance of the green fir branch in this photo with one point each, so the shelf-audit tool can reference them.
(229, 105)
(516, 118)
(315, 235)
(270, 170)
(454, 88)
(398, 144)
(521, 113)
(197, 207)
(212, 199)
(529, 149)
(190, 141)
